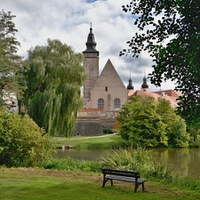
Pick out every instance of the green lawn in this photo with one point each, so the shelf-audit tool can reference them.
(81, 140)
(37, 184)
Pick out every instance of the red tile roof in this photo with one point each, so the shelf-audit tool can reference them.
(91, 110)
(170, 95)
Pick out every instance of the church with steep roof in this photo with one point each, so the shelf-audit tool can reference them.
(105, 93)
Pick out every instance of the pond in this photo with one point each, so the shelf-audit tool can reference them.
(184, 161)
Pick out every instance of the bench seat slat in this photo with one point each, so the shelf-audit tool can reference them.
(122, 173)
(123, 178)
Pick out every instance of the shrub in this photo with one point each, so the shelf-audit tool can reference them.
(137, 160)
(108, 130)
(22, 142)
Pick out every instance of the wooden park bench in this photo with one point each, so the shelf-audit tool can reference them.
(122, 175)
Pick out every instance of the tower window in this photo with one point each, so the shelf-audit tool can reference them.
(106, 88)
(117, 103)
(100, 103)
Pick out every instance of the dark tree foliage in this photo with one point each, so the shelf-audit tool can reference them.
(170, 31)
(9, 60)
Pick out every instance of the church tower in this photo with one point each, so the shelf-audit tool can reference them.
(91, 64)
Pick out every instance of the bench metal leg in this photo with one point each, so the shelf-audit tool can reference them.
(111, 182)
(137, 185)
(143, 187)
(104, 182)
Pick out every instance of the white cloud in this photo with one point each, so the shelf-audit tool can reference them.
(69, 21)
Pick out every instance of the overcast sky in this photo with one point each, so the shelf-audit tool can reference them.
(69, 21)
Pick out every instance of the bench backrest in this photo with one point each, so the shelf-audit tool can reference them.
(120, 173)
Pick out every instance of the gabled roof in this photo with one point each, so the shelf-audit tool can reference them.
(109, 77)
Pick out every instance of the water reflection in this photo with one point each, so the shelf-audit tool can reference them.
(185, 162)
(81, 154)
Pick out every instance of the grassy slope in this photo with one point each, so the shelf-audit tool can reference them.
(37, 184)
(77, 140)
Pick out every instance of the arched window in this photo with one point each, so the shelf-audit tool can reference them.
(100, 103)
(117, 103)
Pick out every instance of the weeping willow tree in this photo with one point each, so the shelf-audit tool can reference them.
(54, 75)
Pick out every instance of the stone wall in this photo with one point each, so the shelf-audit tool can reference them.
(107, 122)
(87, 126)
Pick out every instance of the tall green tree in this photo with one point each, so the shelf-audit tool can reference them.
(170, 31)
(10, 62)
(54, 77)
(150, 123)
(140, 123)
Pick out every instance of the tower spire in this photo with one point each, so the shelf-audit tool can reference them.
(144, 84)
(130, 86)
(91, 44)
